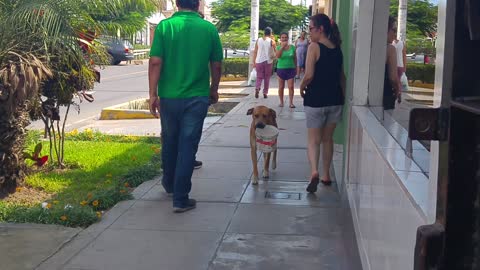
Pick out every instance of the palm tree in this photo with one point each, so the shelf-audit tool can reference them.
(47, 49)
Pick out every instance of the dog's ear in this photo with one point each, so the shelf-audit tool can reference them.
(250, 111)
(273, 113)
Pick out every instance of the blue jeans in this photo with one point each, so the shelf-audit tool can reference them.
(182, 124)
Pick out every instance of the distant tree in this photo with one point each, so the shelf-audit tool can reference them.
(235, 40)
(421, 19)
(277, 14)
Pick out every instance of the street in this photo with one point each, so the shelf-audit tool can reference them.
(118, 84)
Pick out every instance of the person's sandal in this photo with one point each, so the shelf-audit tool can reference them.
(326, 182)
(292, 106)
(312, 186)
(256, 93)
(265, 96)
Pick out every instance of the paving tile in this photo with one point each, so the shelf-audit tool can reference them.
(225, 169)
(228, 137)
(324, 197)
(158, 215)
(279, 252)
(152, 250)
(298, 172)
(213, 153)
(285, 155)
(32, 241)
(282, 219)
(206, 190)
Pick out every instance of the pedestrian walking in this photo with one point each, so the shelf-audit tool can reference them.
(287, 61)
(391, 85)
(301, 46)
(323, 90)
(264, 55)
(180, 92)
(401, 51)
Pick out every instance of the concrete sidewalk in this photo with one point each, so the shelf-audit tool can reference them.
(275, 225)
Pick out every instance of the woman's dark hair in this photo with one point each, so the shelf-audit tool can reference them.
(189, 4)
(329, 27)
(283, 33)
(267, 31)
(391, 22)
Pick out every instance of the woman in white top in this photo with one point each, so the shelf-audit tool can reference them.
(264, 57)
(401, 50)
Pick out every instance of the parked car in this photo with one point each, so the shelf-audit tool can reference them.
(236, 53)
(415, 58)
(119, 50)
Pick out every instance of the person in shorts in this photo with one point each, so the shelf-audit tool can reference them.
(287, 61)
(323, 90)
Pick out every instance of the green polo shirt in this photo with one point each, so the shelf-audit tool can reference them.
(186, 43)
(287, 60)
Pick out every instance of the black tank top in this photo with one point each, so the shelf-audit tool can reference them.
(325, 89)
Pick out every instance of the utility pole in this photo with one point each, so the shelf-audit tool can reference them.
(254, 25)
(290, 32)
(402, 20)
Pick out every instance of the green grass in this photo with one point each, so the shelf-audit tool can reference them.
(102, 169)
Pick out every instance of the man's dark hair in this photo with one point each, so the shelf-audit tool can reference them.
(267, 31)
(189, 4)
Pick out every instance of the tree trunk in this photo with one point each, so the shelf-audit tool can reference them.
(402, 20)
(12, 138)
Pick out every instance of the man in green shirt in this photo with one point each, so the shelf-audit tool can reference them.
(186, 49)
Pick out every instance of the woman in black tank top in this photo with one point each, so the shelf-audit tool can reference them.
(323, 89)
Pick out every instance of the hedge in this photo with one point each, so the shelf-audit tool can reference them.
(235, 66)
(421, 72)
(415, 72)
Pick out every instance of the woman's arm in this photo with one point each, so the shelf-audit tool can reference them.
(313, 54)
(279, 52)
(255, 54)
(343, 82)
(295, 56)
(392, 68)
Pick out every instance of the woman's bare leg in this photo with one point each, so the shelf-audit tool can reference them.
(281, 87)
(291, 91)
(327, 150)
(314, 139)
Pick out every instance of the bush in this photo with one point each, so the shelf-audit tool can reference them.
(235, 66)
(421, 72)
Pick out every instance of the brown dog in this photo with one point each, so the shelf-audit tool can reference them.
(261, 116)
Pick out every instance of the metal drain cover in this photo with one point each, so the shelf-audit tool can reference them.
(282, 195)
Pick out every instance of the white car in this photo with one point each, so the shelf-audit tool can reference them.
(236, 53)
(415, 58)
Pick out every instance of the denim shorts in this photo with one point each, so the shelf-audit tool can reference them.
(320, 117)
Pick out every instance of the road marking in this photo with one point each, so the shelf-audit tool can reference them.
(80, 121)
(123, 75)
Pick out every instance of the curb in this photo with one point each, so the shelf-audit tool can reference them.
(117, 113)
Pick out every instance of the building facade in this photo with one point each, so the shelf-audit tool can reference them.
(393, 183)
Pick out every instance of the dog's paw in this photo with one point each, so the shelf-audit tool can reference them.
(266, 175)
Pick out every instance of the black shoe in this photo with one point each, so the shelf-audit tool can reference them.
(189, 206)
(197, 164)
(312, 186)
